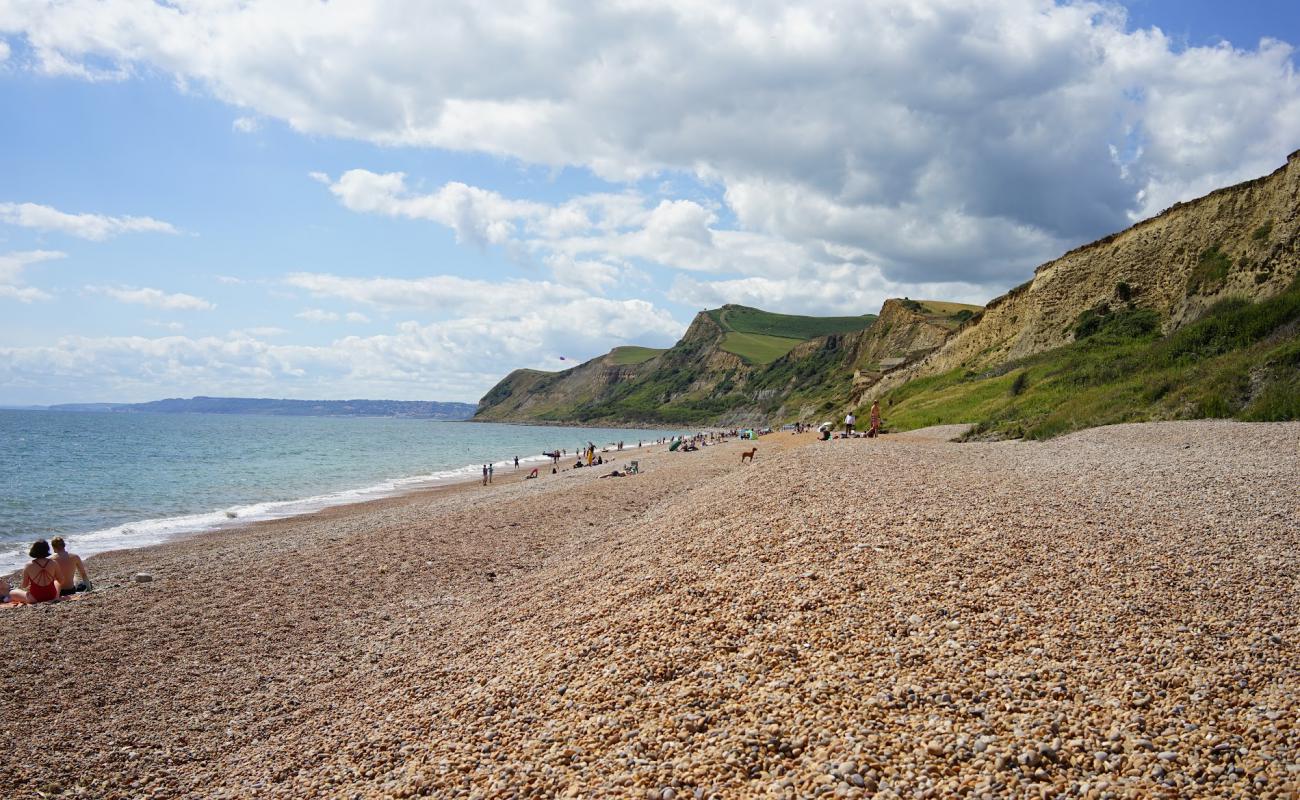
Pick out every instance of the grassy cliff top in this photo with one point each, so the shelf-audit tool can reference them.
(628, 355)
(943, 308)
(761, 337)
(742, 319)
(757, 348)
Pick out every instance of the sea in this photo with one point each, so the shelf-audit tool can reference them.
(106, 481)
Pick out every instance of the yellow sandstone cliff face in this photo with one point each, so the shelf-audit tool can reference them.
(1241, 241)
(900, 332)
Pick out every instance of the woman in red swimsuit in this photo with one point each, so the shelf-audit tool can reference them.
(40, 577)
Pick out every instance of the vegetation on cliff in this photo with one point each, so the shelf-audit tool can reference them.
(630, 355)
(734, 363)
(1241, 359)
(761, 337)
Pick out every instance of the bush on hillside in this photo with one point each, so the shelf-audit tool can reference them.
(1211, 270)
(1129, 323)
(1020, 383)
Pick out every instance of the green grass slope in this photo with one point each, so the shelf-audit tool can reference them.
(757, 348)
(761, 337)
(743, 319)
(1240, 359)
(950, 315)
(629, 355)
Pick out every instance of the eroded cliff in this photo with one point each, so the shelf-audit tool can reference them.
(1236, 242)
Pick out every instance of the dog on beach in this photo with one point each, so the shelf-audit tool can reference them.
(748, 454)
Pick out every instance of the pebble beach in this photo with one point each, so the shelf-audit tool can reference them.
(1111, 614)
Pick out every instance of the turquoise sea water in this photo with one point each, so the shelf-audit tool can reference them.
(106, 481)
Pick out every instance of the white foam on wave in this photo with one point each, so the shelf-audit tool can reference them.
(156, 531)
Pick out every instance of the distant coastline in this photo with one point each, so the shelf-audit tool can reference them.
(410, 409)
(635, 425)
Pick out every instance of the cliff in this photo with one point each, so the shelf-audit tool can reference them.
(734, 366)
(702, 379)
(1238, 242)
(1219, 271)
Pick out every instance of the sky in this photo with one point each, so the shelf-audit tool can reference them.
(407, 200)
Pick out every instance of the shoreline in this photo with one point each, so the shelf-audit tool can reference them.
(161, 530)
(897, 616)
(635, 426)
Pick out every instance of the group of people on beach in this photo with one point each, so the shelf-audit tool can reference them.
(851, 421)
(47, 577)
(586, 454)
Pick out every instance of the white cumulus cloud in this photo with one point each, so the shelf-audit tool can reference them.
(321, 315)
(11, 270)
(155, 298)
(453, 359)
(437, 293)
(317, 315)
(588, 241)
(95, 227)
(939, 140)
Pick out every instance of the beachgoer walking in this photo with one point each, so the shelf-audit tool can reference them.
(875, 419)
(40, 583)
(516, 462)
(849, 422)
(485, 474)
(70, 566)
(491, 469)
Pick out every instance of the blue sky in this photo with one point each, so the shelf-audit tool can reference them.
(381, 200)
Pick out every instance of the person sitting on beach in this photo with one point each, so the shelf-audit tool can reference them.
(532, 474)
(70, 566)
(40, 577)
